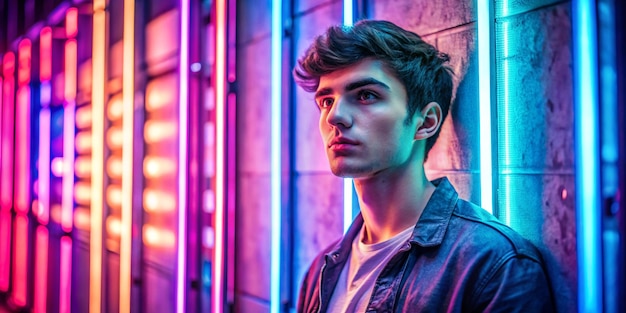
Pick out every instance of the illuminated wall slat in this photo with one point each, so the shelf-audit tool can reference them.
(586, 133)
(485, 21)
(183, 106)
(220, 152)
(22, 175)
(276, 207)
(41, 271)
(8, 128)
(128, 116)
(97, 152)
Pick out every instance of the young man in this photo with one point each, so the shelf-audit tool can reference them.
(383, 94)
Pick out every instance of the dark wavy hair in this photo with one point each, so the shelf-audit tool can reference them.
(420, 67)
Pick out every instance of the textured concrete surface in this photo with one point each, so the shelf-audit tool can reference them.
(253, 144)
(424, 17)
(253, 239)
(318, 219)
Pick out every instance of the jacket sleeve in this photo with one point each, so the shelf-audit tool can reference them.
(518, 284)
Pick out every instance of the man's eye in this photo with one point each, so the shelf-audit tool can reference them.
(326, 102)
(366, 96)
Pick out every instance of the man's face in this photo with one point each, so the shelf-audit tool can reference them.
(362, 122)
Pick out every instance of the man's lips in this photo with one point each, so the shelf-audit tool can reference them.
(342, 141)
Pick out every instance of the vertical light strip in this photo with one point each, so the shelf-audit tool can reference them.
(97, 155)
(8, 129)
(67, 198)
(348, 201)
(348, 12)
(22, 175)
(43, 213)
(183, 105)
(41, 271)
(220, 152)
(128, 97)
(588, 203)
(20, 235)
(506, 145)
(484, 80)
(276, 109)
(65, 275)
(22, 130)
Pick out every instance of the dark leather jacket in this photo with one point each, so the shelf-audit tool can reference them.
(460, 259)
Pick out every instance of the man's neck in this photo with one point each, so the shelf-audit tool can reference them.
(393, 202)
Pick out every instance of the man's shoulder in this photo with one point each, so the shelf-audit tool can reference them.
(477, 227)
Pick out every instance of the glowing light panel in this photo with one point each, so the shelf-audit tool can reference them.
(220, 150)
(97, 175)
(128, 96)
(20, 258)
(484, 76)
(44, 166)
(276, 207)
(41, 271)
(588, 203)
(65, 286)
(182, 157)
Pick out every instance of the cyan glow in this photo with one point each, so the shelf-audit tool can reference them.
(276, 214)
(506, 134)
(484, 78)
(348, 13)
(588, 204)
(183, 122)
(348, 203)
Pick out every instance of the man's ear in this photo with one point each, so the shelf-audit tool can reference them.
(430, 121)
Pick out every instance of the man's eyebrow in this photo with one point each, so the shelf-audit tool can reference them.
(354, 85)
(366, 82)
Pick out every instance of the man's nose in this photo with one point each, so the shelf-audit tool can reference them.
(339, 114)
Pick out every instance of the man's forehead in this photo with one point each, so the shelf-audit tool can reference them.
(363, 70)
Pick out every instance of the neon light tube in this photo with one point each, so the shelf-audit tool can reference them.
(484, 79)
(5, 249)
(65, 286)
(183, 106)
(22, 150)
(41, 271)
(586, 117)
(71, 22)
(220, 153)
(348, 15)
(97, 155)
(8, 128)
(20, 235)
(43, 214)
(506, 137)
(67, 198)
(45, 48)
(128, 96)
(22, 130)
(348, 201)
(276, 209)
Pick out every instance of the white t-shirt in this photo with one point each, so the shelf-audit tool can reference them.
(366, 261)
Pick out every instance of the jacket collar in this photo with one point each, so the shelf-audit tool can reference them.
(429, 230)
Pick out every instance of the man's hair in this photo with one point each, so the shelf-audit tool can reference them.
(418, 65)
